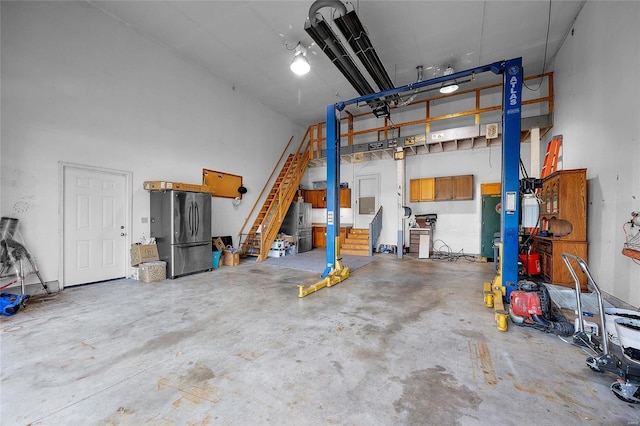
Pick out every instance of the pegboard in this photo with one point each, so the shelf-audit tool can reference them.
(222, 184)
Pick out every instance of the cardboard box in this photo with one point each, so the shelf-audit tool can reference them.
(217, 242)
(153, 271)
(143, 253)
(287, 238)
(161, 185)
(230, 258)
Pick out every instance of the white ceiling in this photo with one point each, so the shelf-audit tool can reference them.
(247, 43)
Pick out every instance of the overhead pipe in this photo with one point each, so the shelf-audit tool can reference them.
(326, 39)
(329, 43)
(356, 35)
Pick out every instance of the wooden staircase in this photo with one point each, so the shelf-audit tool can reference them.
(356, 242)
(267, 224)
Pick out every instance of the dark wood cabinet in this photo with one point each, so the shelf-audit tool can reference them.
(345, 198)
(553, 268)
(463, 187)
(318, 198)
(319, 236)
(563, 225)
(446, 188)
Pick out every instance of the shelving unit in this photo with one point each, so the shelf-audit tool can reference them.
(563, 224)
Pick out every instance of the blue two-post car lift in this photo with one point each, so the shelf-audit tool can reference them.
(507, 278)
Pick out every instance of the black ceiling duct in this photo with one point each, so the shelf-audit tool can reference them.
(327, 40)
(352, 29)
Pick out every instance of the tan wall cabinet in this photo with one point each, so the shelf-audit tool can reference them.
(421, 189)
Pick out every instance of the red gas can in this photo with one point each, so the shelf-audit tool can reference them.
(530, 263)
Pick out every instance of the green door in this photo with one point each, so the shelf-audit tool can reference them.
(490, 224)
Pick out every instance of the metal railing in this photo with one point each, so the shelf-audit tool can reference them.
(383, 132)
(375, 227)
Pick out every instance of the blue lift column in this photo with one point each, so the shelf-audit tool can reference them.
(333, 179)
(334, 271)
(510, 214)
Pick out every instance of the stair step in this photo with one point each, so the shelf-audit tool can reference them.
(355, 252)
(357, 237)
(348, 245)
(359, 231)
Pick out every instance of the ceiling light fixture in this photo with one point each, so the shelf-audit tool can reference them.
(300, 63)
(449, 86)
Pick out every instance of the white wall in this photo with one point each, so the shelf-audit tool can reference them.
(80, 87)
(597, 112)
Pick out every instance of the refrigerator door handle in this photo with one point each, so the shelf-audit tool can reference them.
(197, 218)
(191, 218)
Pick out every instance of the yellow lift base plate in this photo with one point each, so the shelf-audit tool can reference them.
(337, 275)
(494, 293)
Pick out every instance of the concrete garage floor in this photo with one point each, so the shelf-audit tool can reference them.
(401, 342)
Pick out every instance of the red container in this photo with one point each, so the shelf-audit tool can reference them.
(530, 263)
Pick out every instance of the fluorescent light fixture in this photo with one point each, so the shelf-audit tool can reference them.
(449, 86)
(300, 64)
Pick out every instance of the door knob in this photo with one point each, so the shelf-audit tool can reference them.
(121, 226)
(122, 234)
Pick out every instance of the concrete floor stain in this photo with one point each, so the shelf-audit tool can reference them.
(433, 396)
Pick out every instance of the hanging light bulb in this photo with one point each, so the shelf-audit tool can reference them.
(299, 63)
(449, 86)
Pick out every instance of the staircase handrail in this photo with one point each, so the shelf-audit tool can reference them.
(375, 227)
(265, 186)
(268, 234)
(303, 154)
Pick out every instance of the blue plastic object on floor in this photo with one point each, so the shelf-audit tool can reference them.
(10, 303)
(215, 259)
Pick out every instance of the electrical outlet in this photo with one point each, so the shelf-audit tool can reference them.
(145, 220)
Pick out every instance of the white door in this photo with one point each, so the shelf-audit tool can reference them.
(367, 199)
(94, 225)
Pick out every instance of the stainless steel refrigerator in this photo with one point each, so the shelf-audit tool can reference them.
(181, 225)
(297, 223)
